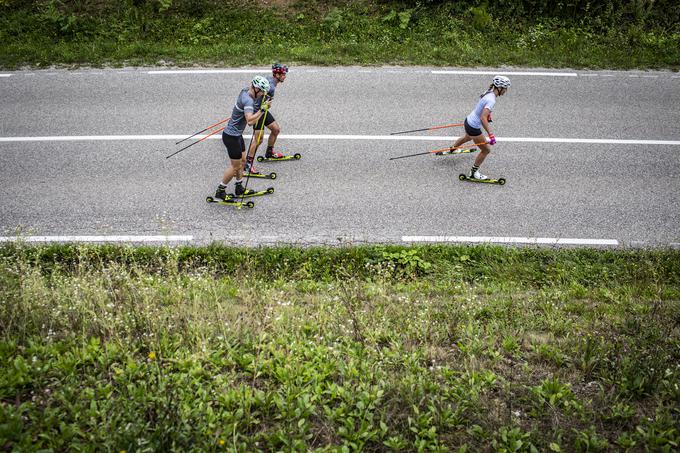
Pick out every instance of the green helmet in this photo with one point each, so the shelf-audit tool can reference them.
(261, 83)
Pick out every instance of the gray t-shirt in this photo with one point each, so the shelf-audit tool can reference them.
(487, 101)
(237, 123)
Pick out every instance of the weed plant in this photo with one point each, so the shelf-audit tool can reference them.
(377, 348)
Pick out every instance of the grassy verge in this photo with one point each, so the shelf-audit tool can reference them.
(359, 32)
(377, 348)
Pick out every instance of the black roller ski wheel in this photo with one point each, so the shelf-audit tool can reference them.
(270, 190)
(462, 177)
(260, 159)
(297, 156)
(250, 205)
(272, 175)
(210, 199)
(501, 181)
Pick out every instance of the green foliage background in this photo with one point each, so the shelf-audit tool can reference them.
(613, 34)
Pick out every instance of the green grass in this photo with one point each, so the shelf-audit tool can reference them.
(352, 33)
(379, 348)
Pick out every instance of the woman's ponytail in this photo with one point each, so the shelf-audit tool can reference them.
(487, 91)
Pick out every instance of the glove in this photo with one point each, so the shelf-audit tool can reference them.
(492, 139)
(265, 105)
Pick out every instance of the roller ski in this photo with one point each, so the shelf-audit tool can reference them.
(249, 194)
(478, 177)
(221, 197)
(251, 172)
(451, 152)
(273, 157)
(230, 202)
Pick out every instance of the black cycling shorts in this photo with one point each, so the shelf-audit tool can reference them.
(235, 145)
(471, 131)
(267, 121)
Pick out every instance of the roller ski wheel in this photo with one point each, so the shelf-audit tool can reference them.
(258, 193)
(230, 202)
(499, 181)
(452, 152)
(296, 156)
(271, 175)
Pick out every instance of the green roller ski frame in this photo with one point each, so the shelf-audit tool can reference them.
(451, 152)
(231, 202)
(499, 181)
(271, 175)
(296, 156)
(259, 193)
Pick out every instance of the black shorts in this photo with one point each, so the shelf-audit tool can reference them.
(235, 145)
(471, 131)
(267, 121)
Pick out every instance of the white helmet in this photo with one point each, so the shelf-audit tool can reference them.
(501, 82)
(261, 83)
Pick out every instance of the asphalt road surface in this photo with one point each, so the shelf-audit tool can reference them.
(590, 158)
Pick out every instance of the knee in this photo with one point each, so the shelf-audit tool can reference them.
(275, 129)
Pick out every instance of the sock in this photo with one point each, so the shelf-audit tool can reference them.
(474, 169)
(222, 185)
(239, 181)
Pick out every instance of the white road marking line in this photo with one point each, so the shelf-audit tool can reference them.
(545, 74)
(124, 238)
(589, 75)
(510, 240)
(5, 75)
(603, 141)
(208, 71)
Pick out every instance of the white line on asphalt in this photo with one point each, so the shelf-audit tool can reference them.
(603, 141)
(545, 74)
(510, 240)
(178, 238)
(5, 75)
(208, 71)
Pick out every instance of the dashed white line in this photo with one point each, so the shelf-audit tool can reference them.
(545, 74)
(5, 75)
(602, 141)
(123, 238)
(511, 240)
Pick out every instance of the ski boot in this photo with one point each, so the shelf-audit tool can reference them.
(220, 193)
(240, 191)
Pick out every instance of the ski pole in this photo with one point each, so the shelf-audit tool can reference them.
(436, 151)
(264, 118)
(197, 141)
(209, 127)
(428, 128)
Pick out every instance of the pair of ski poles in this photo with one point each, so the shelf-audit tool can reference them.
(264, 119)
(436, 150)
(199, 140)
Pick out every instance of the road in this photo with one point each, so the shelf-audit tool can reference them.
(82, 153)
